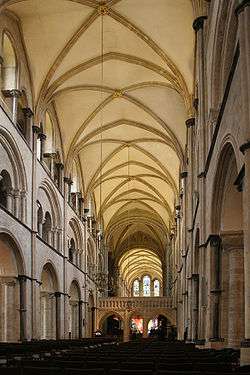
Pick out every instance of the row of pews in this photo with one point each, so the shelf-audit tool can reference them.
(106, 357)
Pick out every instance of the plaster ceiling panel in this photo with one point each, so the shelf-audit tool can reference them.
(41, 22)
(138, 185)
(91, 160)
(72, 116)
(116, 38)
(166, 155)
(164, 188)
(169, 106)
(162, 212)
(117, 74)
(161, 23)
(126, 132)
(110, 212)
(118, 110)
(132, 196)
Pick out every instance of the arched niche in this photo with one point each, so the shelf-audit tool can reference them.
(9, 66)
(75, 316)
(49, 286)
(227, 251)
(11, 267)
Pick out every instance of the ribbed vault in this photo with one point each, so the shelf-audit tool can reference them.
(121, 98)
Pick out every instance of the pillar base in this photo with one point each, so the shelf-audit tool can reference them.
(215, 343)
(199, 342)
(245, 353)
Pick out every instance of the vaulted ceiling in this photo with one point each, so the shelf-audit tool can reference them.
(119, 75)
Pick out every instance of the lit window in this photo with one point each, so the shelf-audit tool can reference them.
(146, 286)
(136, 288)
(156, 288)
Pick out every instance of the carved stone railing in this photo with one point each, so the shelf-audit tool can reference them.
(130, 303)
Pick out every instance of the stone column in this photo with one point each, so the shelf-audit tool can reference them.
(10, 201)
(215, 288)
(126, 329)
(23, 307)
(28, 114)
(3, 311)
(92, 321)
(233, 243)
(67, 189)
(195, 305)
(23, 207)
(80, 319)
(58, 315)
(16, 203)
(243, 13)
(145, 327)
(42, 138)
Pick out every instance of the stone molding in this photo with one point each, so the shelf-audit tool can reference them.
(28, 113)
(36, 129)
(190, 122)
(245, 343)
(242, 6)
(198, 23)
(244, 147)
(183, 174)
(14, 93)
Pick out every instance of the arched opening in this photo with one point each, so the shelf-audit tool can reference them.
(136, 288)
(9, 67)
(113, 326)
(5, 190)
(227, 260)
(75, 319)
(136, 327)
(11, 291)
(48, 302)
(159, 326)
(72, 250)
(156, 288)
(47, 226)
(39, 219)
(146, 286)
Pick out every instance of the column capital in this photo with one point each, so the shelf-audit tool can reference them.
(243, 4)
(14, 93)
(60, 165)
(58, 294)
(23, 278)
(42, 136)
(68, 180)
(190, 122)
(28, 113)
(195, 276)
(183, 174)
(232, 240)
(244, 147)
(198, 23)
(245, 343)
(36, 129)
(214, 240)
(51, 155)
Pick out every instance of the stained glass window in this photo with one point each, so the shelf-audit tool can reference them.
(146, 286)
(136, 288)
(156, 288)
